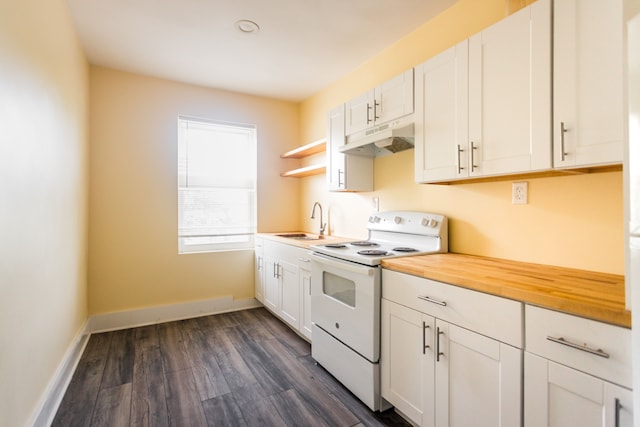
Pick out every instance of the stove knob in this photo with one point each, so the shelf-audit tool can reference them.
(397, 220)
(425, 222)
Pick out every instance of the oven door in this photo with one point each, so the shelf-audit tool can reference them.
(345, 302)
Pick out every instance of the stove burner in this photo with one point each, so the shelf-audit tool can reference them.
(372, 252)
(335, 246)
(404, 249)
(364, 243)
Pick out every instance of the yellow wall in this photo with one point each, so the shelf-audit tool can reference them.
(43, 199)
(574, 221)
(133, 252)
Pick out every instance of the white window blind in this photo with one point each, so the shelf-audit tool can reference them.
(216, 185)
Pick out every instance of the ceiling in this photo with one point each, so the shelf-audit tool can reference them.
(301, 46)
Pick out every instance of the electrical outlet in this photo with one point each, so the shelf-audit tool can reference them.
(375, 204)
(519, 192)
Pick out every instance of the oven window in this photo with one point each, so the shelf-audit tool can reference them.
(339, 288)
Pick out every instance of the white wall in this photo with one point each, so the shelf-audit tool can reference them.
(43, 200)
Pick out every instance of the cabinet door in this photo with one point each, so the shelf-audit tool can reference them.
(394, 98)
(478, 379)
(558, 396)
(441, 123)
(359, 113)
(345, 172)
(259, 270)
(335, 159)
(272, 283)
(290, 291)
(510, 94)
(407, 361)
(304, 275)
(588, 82)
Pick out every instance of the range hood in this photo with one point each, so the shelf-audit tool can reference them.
(381, 140)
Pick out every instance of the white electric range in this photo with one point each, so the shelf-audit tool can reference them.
(346, 295)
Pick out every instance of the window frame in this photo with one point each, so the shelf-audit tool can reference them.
(227, 241)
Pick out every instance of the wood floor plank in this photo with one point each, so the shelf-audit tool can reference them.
(148, 397)
(263, 414)
(295, 411)
(235, 370)
(223, 411)
(263, 368)
(78, 402)
(210, 380)
(119, 367)
(183, 401)
(174, 354)
(352, 403)
(146, 337)
(315, 393)
(113, 407)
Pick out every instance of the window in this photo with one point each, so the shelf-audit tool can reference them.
(216, 185)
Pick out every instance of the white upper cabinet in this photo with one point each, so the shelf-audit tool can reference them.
(345, 172)
(588, 82)
(441, 127)
(389, 101)
(483, 107)
(510, 94)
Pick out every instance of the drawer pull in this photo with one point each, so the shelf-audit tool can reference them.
(597, 352)
(434, 301)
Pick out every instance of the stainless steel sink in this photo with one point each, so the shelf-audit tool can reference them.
(301, 236)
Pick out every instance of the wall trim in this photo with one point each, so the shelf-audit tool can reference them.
(167, 313)
(52, 397)
(54, 392)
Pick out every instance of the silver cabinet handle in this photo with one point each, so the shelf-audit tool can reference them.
(304, 259)
(368, 109)
(375, 110)
(438, 352)
(473, 157)
(460, 167)
(433, 301)
(340, 174)
(424, 337)
(618, 406)
(563, 130)
(561, 340)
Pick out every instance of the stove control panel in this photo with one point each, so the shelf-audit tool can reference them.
(410, 222)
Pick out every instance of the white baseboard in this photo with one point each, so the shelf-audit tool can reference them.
(54, 392)
(167, 313)
(56, 388)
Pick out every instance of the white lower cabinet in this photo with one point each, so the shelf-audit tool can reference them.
(556, 395)
(259, 269)
(287, 284)
(577, 372)
(437, 373)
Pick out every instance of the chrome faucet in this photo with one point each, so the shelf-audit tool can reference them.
(313, 215)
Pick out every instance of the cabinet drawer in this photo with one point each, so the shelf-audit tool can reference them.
(593, 347)
(489, 315)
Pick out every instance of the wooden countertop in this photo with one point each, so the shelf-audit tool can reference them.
(304, 243)
(593, 295)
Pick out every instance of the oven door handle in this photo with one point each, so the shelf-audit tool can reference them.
(344, 265)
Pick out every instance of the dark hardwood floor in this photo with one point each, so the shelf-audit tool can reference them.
(244, 368)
